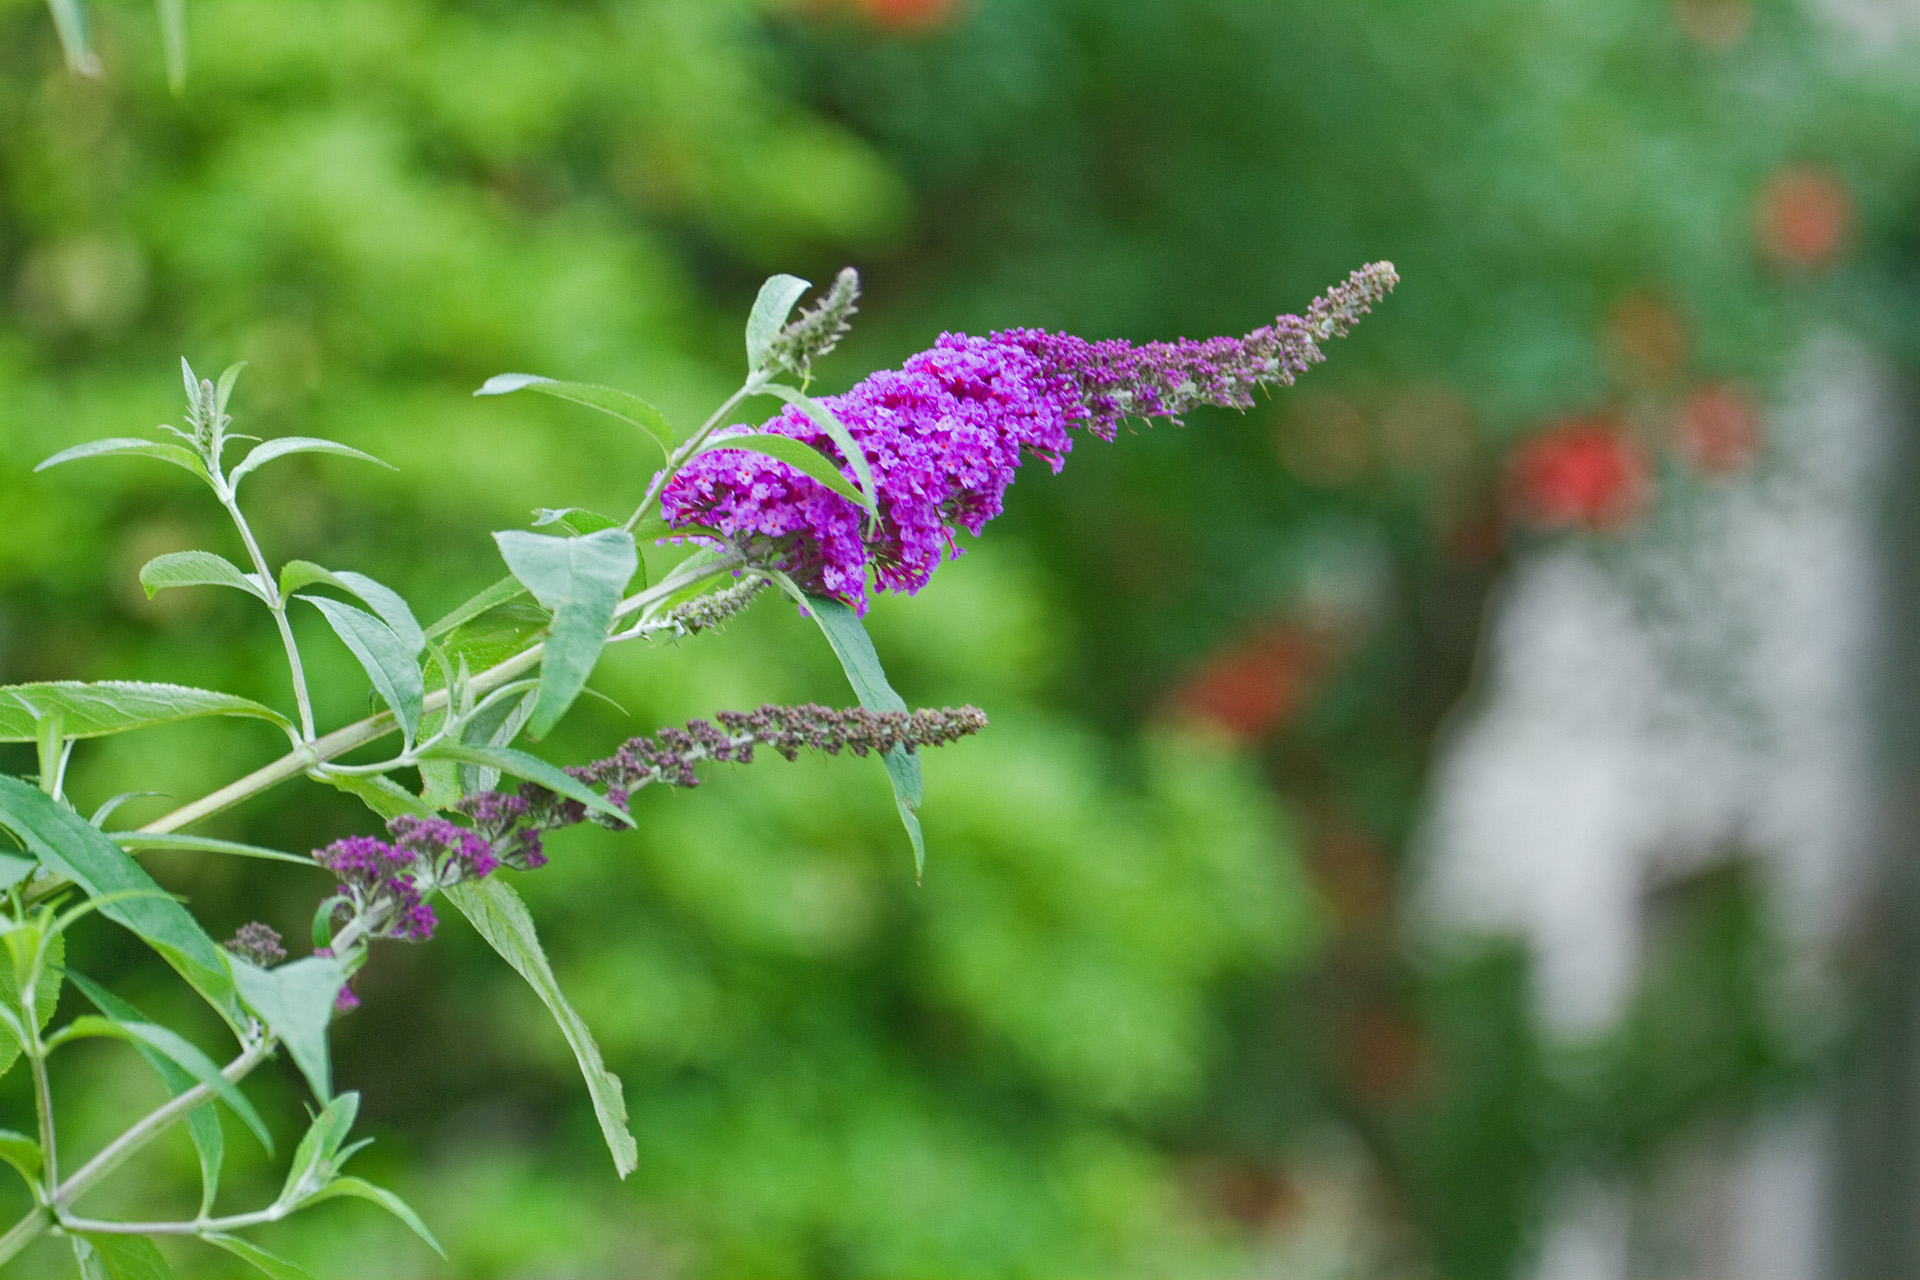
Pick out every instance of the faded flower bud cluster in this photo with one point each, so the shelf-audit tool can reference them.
(817, 330)
(704, 613)
(669, 756)
(259, 943)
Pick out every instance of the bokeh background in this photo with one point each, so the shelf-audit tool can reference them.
(1450, 822)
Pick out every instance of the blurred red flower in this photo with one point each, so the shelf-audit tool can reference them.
(908, 15)
(1802, 217)
(1718, 429)
(1251, 688)
(1584, 473)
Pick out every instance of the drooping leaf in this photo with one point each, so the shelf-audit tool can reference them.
(503, 920)
(382, 794)
(385, 602)
(295, 1000)
(136, 840)
(70, 21)
(182, 1052)
(530, 767)
(46, 997)
(854, 648)
(573, 519)
(579, 580)
(197, 569)
(66, 843)
(269, 1264)
(799, 455)
(23, 1153)
(120, 1257)
(769, 315)
(836, 430)
(92, 710)
(267, 451)
(173, 39)
(312, 1166)
(360, 1189)
(203, 1124)
(382, 655)
(179, 455)
(621, 404)
(508, 588)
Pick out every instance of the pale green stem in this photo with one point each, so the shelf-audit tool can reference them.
(277, 604)
(691, 445)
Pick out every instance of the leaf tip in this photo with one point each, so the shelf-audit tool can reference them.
(501, 384)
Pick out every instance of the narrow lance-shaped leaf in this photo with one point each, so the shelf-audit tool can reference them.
(502, 919)
(182, 1052)
(387, 798)
(854, 648)
(129, 446)
(136, 840)
(769, 315)
(23, 1153)
(69, 845)
(799, 455)
(610, 400)
(296, 1001)
(383, 656)
(120, 1257)
(507, 588)
(46, 996)
(360, 1189)
(196, 569)
(203, 1124)
(312, 1164)
(580, 581)
(387, 603)
(114, 706)
(269, 1264)
(267, 451)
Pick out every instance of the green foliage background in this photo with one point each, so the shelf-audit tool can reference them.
(1117, 980)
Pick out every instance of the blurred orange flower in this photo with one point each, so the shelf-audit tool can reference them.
(908, 15)
(1803, 217)
(1251, 688)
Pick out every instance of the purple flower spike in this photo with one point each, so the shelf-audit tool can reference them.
(945, 433)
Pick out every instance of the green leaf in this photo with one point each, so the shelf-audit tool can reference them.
(70, 20)
(508, 588)
(14, 869)
(69, 845)
(360, 1189)
(222, 389)
(119, 1257)
(296, 1001)
(23, 1153)
(387, 603)
(270, 1264)
(494, 724)
(836, 430)
(503, 920)
(384, 657)
(179, 455)
(621, 404)
(132, 841)
(113, 706)
(530, 767)
(380, 793)
(261, 454)
(313, 1164)
(799, 455)
(854, 648)
(579, 580)
(173, 39)
(183, 1054)
(197, 569)
(573, 519)
(46, 997)
(203, 1123)
(769, 315)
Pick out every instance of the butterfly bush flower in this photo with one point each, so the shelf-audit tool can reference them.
(945, 433)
